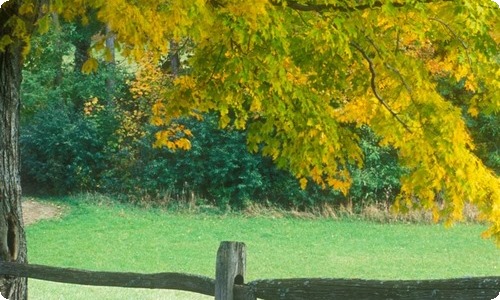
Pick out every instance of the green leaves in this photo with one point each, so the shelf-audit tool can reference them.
(288, 72)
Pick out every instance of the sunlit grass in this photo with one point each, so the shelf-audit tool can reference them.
(125, 238)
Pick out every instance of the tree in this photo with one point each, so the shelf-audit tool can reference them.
(300, 76)
(12, 235)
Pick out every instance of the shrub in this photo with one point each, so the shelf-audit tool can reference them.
(379, 178)
(61, 152)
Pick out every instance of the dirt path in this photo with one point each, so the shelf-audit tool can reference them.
(34, 211)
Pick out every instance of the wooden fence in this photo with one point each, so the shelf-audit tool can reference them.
(229, 282)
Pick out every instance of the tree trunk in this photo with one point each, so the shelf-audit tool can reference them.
(12, 235)
(82, 45)
(82, 42)
(175, 61)
(111, 63)
(57, 25)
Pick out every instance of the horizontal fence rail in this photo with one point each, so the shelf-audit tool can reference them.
(316, 289)
(230, 274)
(172, 281)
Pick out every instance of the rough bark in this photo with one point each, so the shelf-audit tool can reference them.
(12, 235)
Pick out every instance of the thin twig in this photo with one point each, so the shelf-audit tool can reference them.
(396, 71)
(408, 88)
(455, 35)
(397, 41)
(302, 18)
(216, 64)
(374, 86)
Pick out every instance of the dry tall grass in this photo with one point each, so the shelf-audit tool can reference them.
(377, 212)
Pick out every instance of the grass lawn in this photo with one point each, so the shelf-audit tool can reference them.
(106, 237)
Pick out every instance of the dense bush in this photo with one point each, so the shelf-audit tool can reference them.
(219, 169)
(485, 130)
(63, 143)
(379, 178)
(62, 152)
(65, 152)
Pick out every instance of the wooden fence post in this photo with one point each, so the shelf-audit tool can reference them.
(230, 272)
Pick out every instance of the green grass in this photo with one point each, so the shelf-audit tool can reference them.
(125, 238)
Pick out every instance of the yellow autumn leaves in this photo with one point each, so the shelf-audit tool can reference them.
(300, 91)
(300, 79)
(149, 90)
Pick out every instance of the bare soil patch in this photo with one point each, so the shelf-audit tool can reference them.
(34, 211)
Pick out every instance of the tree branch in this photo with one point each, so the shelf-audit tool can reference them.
(374, 86)
(308, 6)
(453, 33)
(216, 63)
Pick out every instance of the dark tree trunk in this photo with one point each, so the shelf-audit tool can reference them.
(175, 61)
(57, 25)
(82, 42)
(12, 235)
(111, 63)
(82, 45)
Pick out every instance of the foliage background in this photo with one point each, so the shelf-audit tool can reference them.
(78, 136)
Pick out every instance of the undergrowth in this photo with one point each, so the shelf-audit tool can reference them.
(190, 204)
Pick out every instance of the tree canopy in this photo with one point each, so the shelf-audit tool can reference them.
(302, 76)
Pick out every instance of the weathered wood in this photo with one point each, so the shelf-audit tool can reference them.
(230, 271)
(229, 285)
(173, 281)
(12, 234)
(484, 288)
(243, 292)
